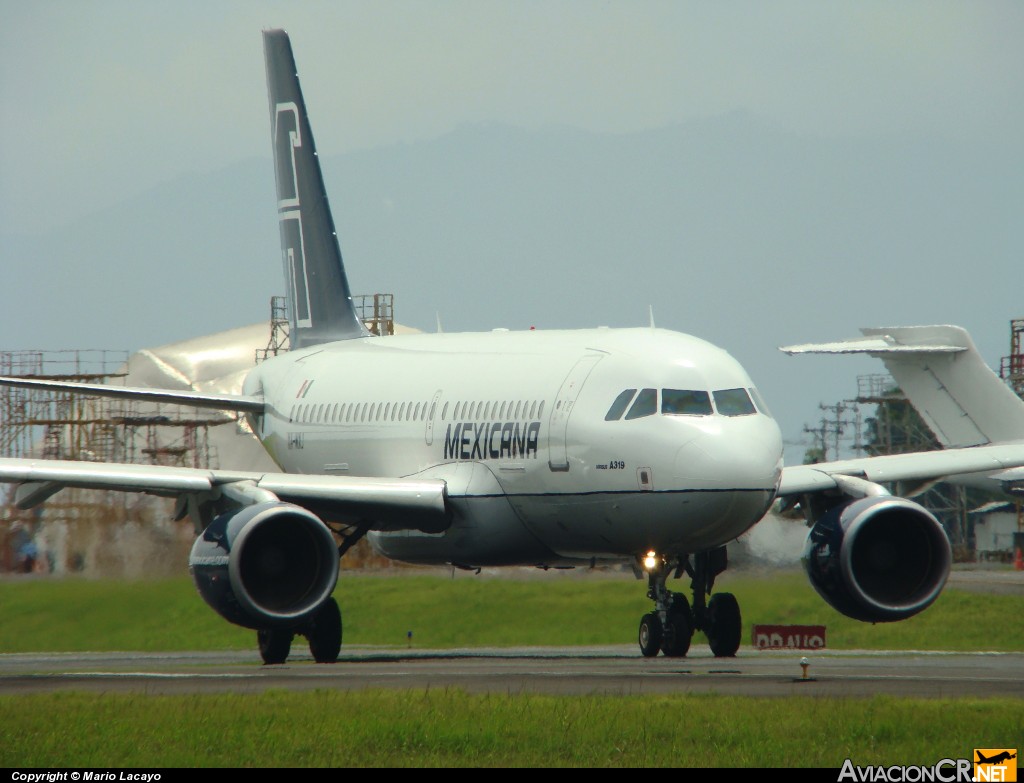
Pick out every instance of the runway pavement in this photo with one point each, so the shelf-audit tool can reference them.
(607, 670)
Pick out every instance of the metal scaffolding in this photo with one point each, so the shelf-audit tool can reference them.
(1011, 368)
(377, 312)
(61, 425)
(76, 524)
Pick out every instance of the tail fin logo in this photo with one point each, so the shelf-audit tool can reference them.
(287, 138)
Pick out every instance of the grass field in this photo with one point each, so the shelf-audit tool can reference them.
(451, 728)
(468, 611)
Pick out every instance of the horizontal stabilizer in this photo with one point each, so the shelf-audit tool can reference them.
(223, 402)
(870, 345)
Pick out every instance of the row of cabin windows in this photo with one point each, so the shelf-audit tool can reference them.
(348, 412)
(514, 410)
(683, 402)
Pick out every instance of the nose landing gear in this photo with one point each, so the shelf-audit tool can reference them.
(670, 627)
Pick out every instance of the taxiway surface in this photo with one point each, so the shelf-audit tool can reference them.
(606, 670)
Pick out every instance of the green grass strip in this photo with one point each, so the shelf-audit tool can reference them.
(435, 728)
(70, 615)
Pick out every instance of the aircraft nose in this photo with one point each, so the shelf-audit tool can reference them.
(730, 459)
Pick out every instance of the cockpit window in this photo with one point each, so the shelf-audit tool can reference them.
(734, 402)
(759, 401)
(615, 412)
(685, 402)
(646, 404)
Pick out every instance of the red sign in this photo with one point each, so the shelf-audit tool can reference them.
(789, 637)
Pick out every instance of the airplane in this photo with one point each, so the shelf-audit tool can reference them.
(996, 759)
(571, 448)
(939, 369)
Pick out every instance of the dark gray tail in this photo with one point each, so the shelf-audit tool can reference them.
(319, 301)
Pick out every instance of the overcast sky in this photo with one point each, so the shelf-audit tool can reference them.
(105, 99)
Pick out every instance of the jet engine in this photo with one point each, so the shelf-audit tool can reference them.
(268, 565)
(878, 559)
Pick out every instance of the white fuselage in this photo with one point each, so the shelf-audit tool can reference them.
(516, 424)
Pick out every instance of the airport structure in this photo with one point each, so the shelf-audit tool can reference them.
(119, 532)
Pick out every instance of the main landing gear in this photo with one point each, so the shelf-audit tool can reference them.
(324, 631)
(670, 627)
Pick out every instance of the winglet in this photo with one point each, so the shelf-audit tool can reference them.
(319, 301)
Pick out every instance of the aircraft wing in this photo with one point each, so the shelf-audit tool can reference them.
(999, 459)
(381, 503)
(224, 402)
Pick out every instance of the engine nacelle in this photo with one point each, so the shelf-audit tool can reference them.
(268, 565)
(878, 559)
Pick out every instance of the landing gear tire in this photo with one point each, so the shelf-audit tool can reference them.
(274, 644)
(650, 634)
(724, 625)
(678, 628)
(324, 633)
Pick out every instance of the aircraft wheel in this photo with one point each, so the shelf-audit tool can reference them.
(324, 633)
(679, 628)
(724, 625)
(650, 634)
(274, 644)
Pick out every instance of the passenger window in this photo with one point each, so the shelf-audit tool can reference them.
(734, 402)
(540, 410)
(685, 402)
(646, 404)
(444, 412)
(619, 405)
(518, 407)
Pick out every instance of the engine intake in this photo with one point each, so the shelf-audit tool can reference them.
(878, 559)
(267, 565)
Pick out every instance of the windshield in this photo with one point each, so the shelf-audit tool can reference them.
(734, 402)
(685, 402)
(646, 404)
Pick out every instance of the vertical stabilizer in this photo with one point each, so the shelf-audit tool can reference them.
(320, 305)
(941, 372)
(956, 393)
